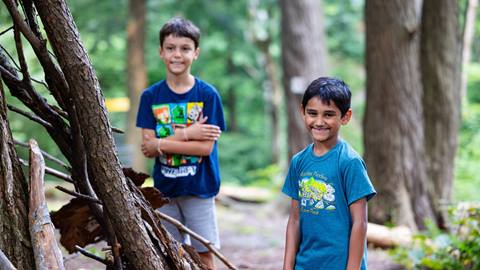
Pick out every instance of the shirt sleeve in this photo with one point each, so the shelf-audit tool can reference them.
(290, 187)
(357, 182)
(145, 117)
(214, 110)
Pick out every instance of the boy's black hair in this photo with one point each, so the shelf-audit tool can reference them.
(180, 27)
(329, 89)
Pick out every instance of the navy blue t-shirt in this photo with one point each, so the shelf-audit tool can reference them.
(163, 110)
(325, 186)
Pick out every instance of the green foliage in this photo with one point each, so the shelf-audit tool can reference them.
(240, 155)
(457, 249)
(467, 178)
(344, 27)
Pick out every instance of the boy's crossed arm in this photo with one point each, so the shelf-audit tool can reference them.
(195, 140)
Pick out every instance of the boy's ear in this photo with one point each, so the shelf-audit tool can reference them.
(197, 53)
(346, 118)
(160, 51)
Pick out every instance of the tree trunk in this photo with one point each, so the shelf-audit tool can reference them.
(106, 174)
(14, 234)
(136, 77)
(441, 46)
(303, 59)
(468, 33)
(393, 123)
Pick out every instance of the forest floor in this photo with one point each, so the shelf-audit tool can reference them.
(252, 237)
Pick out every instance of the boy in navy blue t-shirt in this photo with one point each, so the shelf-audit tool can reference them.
(329, 187)
(181, 118)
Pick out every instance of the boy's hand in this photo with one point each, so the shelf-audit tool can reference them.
(150, 147)
(202, 132)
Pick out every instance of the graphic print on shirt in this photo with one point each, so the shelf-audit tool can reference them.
(316, 194)
(171, 117)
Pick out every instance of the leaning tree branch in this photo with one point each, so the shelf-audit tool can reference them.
(21, 58)
(202, 240)
(10, 56)
(46, 155)
(91, 256)
(42, 232)
(78, 195)
(51, 172)
(55, 80)
(30, 116)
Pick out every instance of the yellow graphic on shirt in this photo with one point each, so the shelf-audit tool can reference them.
(316, 194)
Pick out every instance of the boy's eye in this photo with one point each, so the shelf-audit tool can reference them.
(186, 49)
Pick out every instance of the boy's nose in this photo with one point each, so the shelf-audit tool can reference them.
(319, 121)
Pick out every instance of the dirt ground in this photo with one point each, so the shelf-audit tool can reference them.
(252, 237)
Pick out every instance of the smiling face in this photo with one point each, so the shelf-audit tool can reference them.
(323, 120)
(178, 54)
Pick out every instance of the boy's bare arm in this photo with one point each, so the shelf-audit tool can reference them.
(197, 140)
(358, 212)
(292, 236)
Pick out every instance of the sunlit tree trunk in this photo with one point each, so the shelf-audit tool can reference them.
(393, 123)
(14, 233)
(136, 77)
(303, 59)
(441, 46)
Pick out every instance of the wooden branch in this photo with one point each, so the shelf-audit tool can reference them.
(202, 240)
(7, 74)
(52, 172)
(117, 130)
(78, 195)
(54, 75)
(10, 56)
(42, 232)
(5, 263)
(384, 237)
(46, 155)
(90, 255)
(21, 58)
(6, 30)
(30, 116)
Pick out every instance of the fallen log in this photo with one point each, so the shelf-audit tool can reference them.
(385, 237)
(46, 252)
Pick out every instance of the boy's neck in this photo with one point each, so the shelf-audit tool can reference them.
(321, 148)
(180, 84)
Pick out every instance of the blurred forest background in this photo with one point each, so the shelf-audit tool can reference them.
(241, 56)
(416, 117)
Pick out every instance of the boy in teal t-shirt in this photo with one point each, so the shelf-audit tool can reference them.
(329, 187)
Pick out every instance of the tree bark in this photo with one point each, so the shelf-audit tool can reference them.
(441, 46)
(136, 77)
(107, 177)
(393, 123)
(303, 59)
(14, 235)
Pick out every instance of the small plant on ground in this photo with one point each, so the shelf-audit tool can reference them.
(456, 249)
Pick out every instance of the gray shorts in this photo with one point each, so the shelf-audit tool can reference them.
(198, 215)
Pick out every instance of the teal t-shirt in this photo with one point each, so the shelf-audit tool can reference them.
(325, 186)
